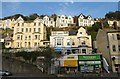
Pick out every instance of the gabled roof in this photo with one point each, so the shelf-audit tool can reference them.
(85, 17)
(73, 32)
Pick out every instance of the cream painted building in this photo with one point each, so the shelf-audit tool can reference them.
(8, 23)
(85, 20)
(29, 35)
(112, 22)
(76, 41)
(48, 21)
(64, 21)
(108, 43)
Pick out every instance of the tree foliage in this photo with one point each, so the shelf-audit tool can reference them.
(48, 53)
(113, 15)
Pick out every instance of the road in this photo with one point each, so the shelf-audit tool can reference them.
(68, 76)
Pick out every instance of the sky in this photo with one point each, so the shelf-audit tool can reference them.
(95, 9)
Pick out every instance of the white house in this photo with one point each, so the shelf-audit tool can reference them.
(74, 41)
(48, 21)
(85, 20)
(64, 21)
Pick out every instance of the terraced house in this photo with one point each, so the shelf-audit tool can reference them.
(29, 34)
(64, 21)
(85, 20)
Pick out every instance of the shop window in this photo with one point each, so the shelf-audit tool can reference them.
(113, 48)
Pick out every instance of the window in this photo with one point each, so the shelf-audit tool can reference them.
(17, 29)
(83, 43)
(34, 29)
(22, 29)
(39, 24)
(34, 24)
(35, 37)
(18, 44)
(26, 29)
(25, 43)
(73, 43)
(113, 48)
(84, 51)
(22, 24)
(18, 37)
(29, 29)
(35, 44)
(38, 29)
(29, 44)
(80, 32)
(21, 37)
(118, 36)
(118, 47)
(29, 37)
(81, 20)
(68, 43)
(113, 36)
(18, 24)
(59, 42)
(25, 37)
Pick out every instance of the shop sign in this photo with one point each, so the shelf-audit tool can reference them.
(70, 63)
(70, 57)
(88, 57)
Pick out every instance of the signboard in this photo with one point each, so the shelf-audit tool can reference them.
(70, 57)
(70, 63)
(89, 57)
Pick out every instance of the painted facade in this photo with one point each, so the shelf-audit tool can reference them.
(67, 41)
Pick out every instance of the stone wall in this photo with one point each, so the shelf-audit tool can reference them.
(16, 66)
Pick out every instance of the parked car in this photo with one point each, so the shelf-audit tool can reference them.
(5, 73)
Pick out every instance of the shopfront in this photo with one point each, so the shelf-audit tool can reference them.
(71, 63)
(89, 63)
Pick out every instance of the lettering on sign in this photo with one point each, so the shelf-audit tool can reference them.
(71, 57)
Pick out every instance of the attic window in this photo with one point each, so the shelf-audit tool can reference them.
(80, 32)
